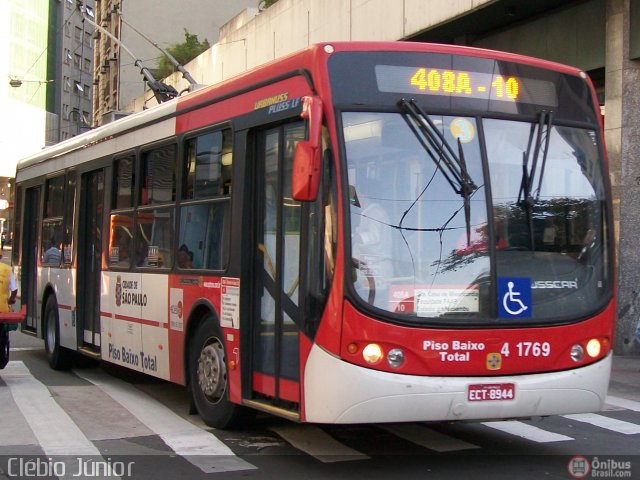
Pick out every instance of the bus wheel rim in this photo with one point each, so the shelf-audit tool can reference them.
(212, 374)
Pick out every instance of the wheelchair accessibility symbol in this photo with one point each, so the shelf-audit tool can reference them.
(514, 297)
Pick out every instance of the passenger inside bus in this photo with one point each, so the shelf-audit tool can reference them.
(185, 257)
(372, 242)
(53, 255)
(120, 250)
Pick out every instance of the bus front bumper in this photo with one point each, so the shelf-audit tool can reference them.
(339, 392)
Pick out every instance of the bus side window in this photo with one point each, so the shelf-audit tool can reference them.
(158, 175)
(153, 245)
(121, 224)
(51, 253)
(207, 179)
(154, 238)
(207, 166)
(121, 240)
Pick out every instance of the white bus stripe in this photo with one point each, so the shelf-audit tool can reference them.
(526, 431)
(199, 447)
(317, 443)
(428, 438)
(623, 403)
(601, 421)
(55, 431)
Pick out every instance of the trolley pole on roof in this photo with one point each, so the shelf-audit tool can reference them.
(193, 85)
(162, 91)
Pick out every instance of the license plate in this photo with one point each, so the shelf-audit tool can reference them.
(491, 391)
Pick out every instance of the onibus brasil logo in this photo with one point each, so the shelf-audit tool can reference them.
(582, 467)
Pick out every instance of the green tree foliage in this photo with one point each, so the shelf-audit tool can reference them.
(183, 52)
(264, 4)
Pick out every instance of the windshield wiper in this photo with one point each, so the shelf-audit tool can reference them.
(525, 198)
(452, 166)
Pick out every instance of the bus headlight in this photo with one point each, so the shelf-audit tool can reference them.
(593, 347)
(372, 353)
(577, 353)
(395, 357)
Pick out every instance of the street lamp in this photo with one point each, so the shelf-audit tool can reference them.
(16, 82)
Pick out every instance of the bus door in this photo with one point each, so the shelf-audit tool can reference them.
(278, 249)
(90, 260)
(29, 264)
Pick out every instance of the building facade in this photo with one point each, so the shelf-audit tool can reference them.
(25, 82)
(24, 90)
(72, 67)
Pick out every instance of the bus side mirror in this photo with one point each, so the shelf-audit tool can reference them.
(307, 158)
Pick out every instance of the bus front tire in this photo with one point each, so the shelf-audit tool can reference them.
(208, 381)
(59, 357)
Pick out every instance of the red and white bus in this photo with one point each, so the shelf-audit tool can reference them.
(357, 232)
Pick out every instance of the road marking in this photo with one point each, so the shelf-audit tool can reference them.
(25, 349)
(529, 432)
(623, 403)
(317, 443)
(14, 429)
(601, 421)
(114, 422)
(428, 438)
(199, 447)
(55, 431)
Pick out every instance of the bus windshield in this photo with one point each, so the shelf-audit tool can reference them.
(478, 220)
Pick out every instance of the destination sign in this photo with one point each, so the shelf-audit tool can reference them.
(467, 84)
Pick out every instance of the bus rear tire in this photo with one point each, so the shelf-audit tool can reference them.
(59, 357)
(208, 382)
